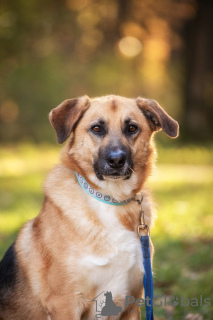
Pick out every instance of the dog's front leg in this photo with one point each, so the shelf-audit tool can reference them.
(64, 314)
(132, 313)
(63, 309)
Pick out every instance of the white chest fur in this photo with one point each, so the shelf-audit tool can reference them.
(118, 269)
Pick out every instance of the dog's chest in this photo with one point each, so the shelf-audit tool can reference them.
(117, 266)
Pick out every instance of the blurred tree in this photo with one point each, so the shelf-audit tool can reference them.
(198, 46)
(51, 51)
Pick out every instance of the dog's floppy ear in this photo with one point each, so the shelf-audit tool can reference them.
(66, 116)
(157, 117)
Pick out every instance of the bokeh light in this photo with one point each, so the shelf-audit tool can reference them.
(130, 46)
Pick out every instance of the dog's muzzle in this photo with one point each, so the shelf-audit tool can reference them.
(114, 163)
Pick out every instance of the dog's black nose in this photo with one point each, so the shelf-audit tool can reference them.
(116, 158)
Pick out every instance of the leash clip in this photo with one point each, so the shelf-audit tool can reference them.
(143, 226)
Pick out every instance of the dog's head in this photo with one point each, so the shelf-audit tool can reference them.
(110, 137)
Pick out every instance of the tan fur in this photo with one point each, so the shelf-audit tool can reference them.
(77, 246)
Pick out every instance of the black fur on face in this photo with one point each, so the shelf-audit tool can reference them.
(114, 161)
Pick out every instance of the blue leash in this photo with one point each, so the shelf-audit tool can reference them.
(147, 280)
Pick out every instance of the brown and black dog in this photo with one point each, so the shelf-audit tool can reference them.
(78, 247)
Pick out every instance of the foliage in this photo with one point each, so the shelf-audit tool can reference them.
(54, 50)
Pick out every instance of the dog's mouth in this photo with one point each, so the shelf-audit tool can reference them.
(119, 175)
(114, 177)
(107, 174)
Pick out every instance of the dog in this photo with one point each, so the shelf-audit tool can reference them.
(84, 240)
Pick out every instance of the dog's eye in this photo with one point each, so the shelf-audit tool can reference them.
(132, 128)
(96, 129)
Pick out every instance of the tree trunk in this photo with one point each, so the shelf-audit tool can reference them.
(198, 109)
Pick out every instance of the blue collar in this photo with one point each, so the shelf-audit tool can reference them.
(98, 195)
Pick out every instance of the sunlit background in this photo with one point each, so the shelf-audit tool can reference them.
(54, 50)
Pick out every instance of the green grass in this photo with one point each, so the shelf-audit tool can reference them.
(182, 187)
(183, 237)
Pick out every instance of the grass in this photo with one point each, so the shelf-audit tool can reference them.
(183, 237)
(182, 188)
